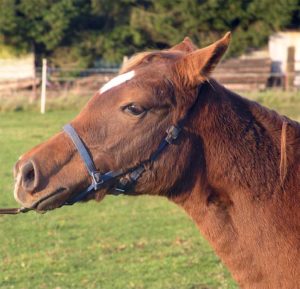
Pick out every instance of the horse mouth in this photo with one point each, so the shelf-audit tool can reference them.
(51, 201)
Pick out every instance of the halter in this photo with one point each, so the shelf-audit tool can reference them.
(125, 179)
(99, 180)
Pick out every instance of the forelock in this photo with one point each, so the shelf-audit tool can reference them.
(146, 57)
(133, 61)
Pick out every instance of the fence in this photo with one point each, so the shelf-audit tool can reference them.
(257, 74)
(236, 74)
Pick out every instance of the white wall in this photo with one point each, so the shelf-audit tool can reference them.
(278, 49)
(17, 68)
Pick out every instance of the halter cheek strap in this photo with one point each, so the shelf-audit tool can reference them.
(97, 179)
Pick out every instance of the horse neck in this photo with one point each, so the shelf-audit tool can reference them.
(238, 201)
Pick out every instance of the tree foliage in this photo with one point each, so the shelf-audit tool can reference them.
(81, 31)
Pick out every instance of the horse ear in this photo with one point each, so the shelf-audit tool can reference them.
(194, 67)
(186, 46)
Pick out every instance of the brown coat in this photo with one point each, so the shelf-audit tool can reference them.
(235, 169)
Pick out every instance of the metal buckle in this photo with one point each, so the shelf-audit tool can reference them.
(122, 185)
(172, 133)
(97, 180)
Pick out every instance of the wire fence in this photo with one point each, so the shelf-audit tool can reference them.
(256, 75)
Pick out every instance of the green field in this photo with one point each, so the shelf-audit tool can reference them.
(123, 242)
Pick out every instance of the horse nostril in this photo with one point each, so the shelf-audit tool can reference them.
(29, 178)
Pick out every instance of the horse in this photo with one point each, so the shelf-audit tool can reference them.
(230, 163)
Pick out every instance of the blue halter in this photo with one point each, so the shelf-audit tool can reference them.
(129, 177)
(98, 181)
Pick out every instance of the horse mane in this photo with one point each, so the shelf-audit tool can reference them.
(278, 135)
(286, 128)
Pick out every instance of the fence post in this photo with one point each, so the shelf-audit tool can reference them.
(44, 83)
(290, 69)
(125, 59)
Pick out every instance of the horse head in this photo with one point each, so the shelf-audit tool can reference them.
(121, 126)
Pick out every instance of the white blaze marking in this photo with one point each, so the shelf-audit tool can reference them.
(117, 81)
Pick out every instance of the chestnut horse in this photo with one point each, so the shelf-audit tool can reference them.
(234, 168)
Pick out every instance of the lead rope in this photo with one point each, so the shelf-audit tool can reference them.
(13, 211)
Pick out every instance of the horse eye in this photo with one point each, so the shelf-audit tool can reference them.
(134, 109)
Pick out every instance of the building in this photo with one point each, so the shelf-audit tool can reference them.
(284, 51)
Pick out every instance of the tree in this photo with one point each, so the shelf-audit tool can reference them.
(41, 25)
(78, 32)
(166, 22)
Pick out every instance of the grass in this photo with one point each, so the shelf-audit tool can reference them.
(56, 101)
(287, 103)
(123, 242)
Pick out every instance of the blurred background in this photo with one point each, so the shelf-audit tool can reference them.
(64, 50)
(85, 42)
